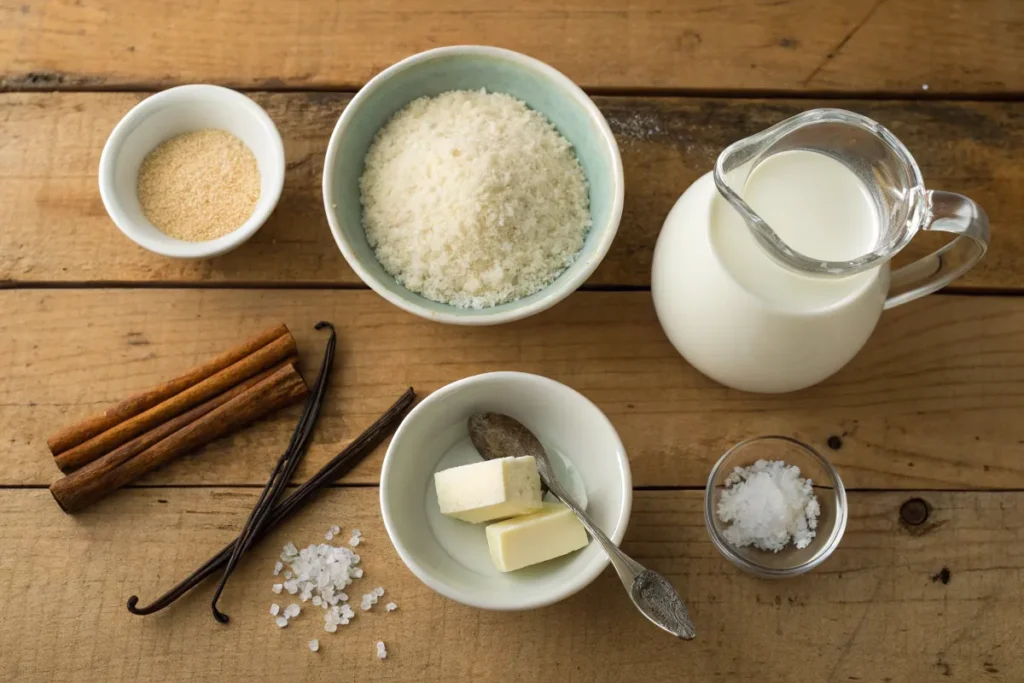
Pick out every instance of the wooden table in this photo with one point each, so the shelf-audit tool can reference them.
(930, 410)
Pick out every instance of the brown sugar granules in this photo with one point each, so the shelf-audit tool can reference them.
(200, 185)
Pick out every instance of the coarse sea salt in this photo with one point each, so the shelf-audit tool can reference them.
(382, 652)
(314, 645)
(321, 572)
(768, 505)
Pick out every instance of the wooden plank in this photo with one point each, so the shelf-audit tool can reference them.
(53, 227)
(934, 401)
(872, 612)
(862, 45)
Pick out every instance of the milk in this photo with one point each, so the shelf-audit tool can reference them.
(817, 206)
(740, 317)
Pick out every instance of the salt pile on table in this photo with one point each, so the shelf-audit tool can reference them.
(318, 574)
(769, 506)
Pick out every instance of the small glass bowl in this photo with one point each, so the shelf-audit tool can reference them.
(827, 487)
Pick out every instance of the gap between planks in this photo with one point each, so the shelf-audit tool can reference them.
(952, 290)
(373, 485)
(46, 85)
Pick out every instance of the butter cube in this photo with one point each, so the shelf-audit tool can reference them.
(521, 541)
(489, 490)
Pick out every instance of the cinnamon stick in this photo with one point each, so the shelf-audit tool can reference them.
(261, 359)
(160, 432)
(71, 436)
(101, 477)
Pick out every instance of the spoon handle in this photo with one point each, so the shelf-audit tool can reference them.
(626, 567)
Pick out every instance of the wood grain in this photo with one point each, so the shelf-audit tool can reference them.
(934, 400)
(53, 227)
(872, 612)
(864, 45)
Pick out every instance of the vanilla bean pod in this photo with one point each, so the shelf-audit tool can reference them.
(283, 471)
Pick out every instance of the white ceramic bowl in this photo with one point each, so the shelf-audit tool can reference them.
(471, 67)
(170, 113)
(450, 556)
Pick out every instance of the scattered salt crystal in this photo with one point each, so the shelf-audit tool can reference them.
(320, 572)
(379, 591)
(278, 567)
(354, 541)
(314, 645)
(281, 622)
(276, 588)
(329, 535)
(357, 533)
(290, 550)
(382, 652)
(335, 529)
(390, 607)
(274, 609)
(768, 505)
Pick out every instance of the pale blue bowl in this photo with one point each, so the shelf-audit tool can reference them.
(469, 68)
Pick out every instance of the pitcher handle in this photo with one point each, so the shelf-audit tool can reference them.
(949, 212)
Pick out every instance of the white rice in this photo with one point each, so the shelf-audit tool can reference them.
(472, 199)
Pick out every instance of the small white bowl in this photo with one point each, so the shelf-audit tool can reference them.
(450, 556)
(174, 112)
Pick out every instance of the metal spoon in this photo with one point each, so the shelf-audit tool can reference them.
(499, 436)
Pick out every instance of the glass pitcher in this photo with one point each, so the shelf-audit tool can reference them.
(893, 179)
(750, 310)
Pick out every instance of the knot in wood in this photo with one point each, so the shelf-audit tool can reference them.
(914, 512)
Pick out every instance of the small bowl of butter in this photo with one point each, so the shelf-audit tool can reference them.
(482, 532)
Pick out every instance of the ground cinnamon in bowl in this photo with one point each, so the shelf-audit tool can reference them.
(199, 186)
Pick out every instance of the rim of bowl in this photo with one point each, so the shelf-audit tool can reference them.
(552, 295)
(572, 586)
(145, 109)
(726, 548)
